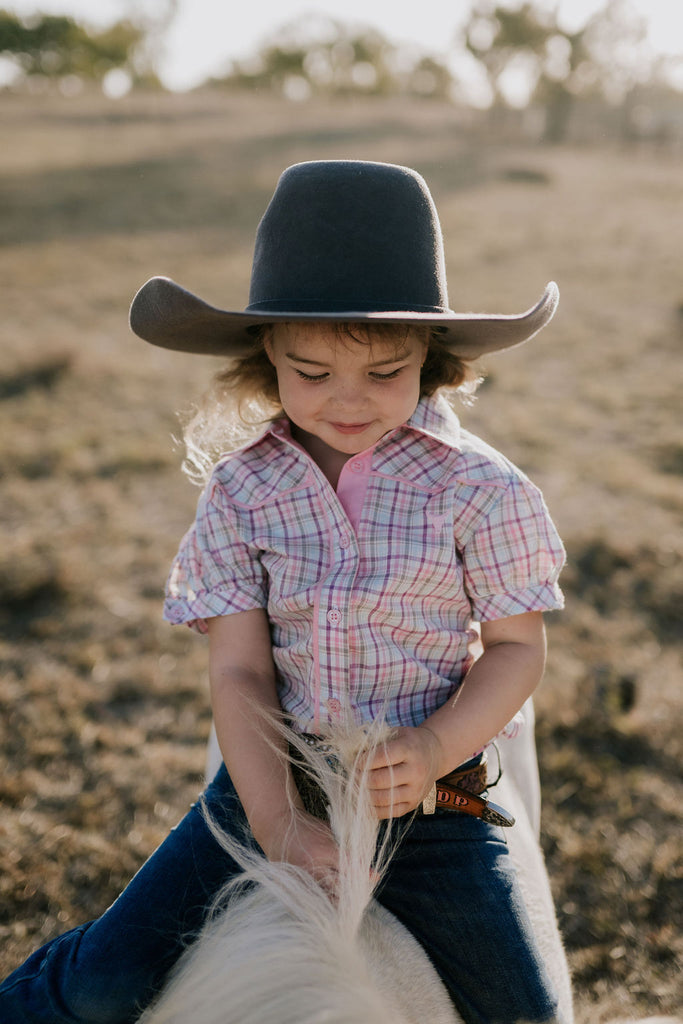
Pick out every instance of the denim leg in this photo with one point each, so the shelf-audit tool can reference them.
(106, 971)
(453, 886)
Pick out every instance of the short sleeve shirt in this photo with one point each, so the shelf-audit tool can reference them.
(370, 590)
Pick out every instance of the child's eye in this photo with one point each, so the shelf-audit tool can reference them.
(312, 377)
(386, 376)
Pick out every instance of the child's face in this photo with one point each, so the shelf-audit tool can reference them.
(344, 392)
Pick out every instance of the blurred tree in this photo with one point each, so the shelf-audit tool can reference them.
(319, 55)
(430, 77)
(55, 46)
(528, 56)
(499, 38)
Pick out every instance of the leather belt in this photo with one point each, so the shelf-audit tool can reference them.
(461, 791)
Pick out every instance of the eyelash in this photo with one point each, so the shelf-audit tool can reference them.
(319, 378)
(307, 376)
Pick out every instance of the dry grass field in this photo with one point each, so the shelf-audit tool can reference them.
(105, 709)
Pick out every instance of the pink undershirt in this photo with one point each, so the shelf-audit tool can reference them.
(351, 488)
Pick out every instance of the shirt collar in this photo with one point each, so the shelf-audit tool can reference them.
(435, 418)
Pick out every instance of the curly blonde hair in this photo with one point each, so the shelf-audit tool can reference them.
(244, 396)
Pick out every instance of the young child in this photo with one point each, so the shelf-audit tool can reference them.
(337, 562)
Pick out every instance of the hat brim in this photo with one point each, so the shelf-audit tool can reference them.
(167, 315)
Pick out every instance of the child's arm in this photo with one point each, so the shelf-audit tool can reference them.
(243, 682)
(494, 690)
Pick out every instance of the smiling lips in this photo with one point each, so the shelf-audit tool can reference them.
(350, 428)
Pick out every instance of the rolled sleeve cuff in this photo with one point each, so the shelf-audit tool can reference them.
(545, 597)
(194, 609)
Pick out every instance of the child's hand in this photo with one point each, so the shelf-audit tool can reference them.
(404, 770)
(307, 842)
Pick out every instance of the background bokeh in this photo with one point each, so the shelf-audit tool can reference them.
(105, 709)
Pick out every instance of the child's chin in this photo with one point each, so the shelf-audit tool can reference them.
(352, 445)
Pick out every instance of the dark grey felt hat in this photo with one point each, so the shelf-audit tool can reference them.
(341, 240)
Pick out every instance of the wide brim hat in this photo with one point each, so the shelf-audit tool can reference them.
(341, 241)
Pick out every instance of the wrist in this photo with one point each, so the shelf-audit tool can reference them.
(271, 824)
(436, 752)
(271, 831)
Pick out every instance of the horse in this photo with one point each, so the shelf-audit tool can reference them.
(278, 950)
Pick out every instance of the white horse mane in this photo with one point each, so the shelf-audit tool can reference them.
(278, 950)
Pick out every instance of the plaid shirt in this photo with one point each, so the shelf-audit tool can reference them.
(370, 590)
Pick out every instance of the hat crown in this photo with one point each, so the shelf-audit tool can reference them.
(349, 235)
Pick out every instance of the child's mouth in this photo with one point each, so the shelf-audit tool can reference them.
(350, 428)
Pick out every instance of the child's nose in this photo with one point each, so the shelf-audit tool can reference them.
(350, 393)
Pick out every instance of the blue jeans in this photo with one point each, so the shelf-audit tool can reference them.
(453, 885)
(450, 882)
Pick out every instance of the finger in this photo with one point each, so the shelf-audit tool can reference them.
(396, 771)
(394, 802)
(392, 753)
(396, 811)
(383, 778)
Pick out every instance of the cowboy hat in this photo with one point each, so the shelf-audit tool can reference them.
(341, 240)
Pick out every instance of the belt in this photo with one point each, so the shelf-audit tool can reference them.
(460, 791)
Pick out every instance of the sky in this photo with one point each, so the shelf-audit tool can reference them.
(206, 34)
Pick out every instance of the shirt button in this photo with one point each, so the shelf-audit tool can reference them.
(334, 706)
(344, 540)
(334, 616)
(357, 466)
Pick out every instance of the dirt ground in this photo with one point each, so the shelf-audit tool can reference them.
(105, 709)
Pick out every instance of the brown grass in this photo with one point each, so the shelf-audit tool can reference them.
(105, 709)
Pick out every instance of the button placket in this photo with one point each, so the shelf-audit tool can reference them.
(333, 612)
